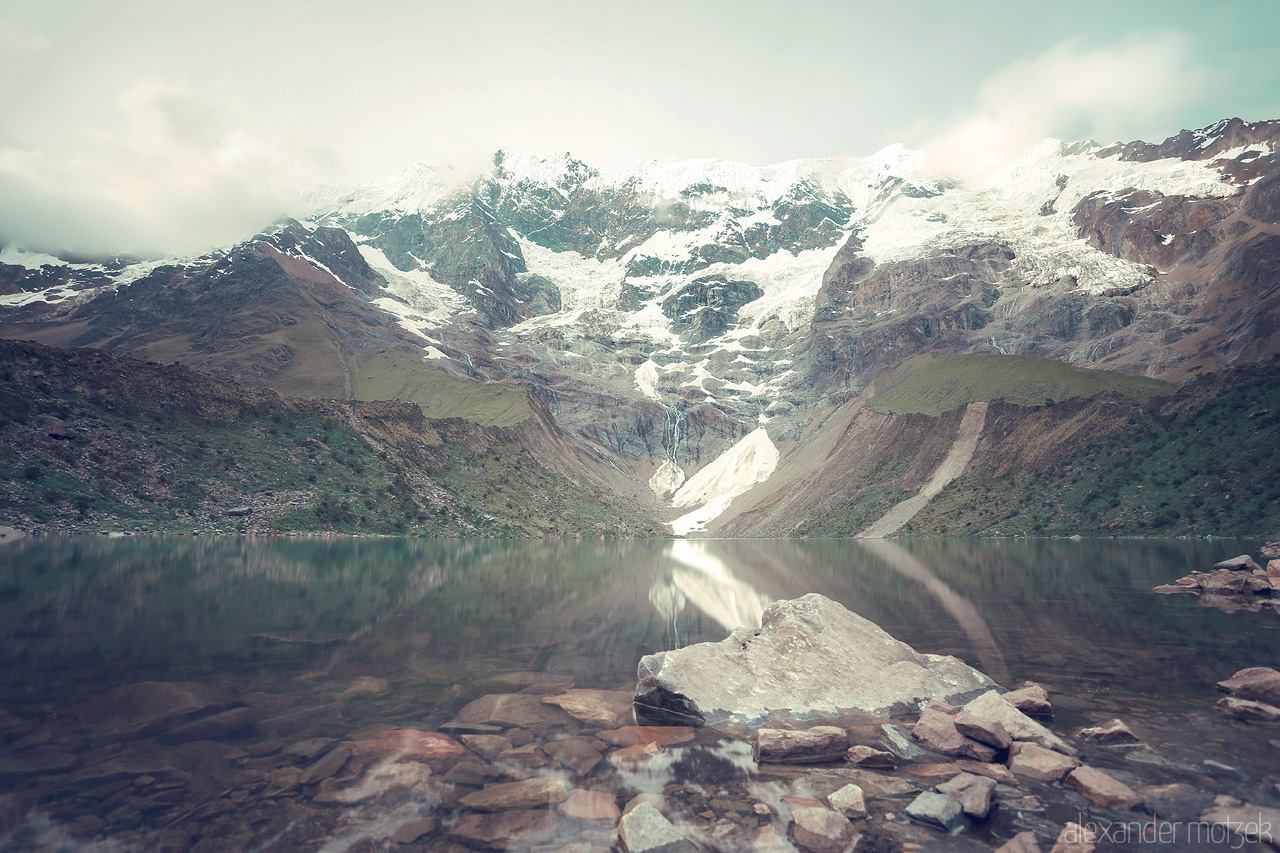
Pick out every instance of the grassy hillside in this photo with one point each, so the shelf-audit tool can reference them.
(91, 442)
(931, 386)
(1200, 462)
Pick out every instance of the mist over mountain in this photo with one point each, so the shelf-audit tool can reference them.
(705, 331)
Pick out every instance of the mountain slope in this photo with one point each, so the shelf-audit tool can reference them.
(663, 313)
(94, 442)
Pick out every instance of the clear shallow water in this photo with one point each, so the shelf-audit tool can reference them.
(351, 634)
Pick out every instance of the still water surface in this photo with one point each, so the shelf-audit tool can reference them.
(347, 635)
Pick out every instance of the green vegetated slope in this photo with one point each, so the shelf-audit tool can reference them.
(1202, 461)
(92, 442)
(931, 386)
(387, 374)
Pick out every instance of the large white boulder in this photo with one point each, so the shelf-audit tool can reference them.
(811, 660)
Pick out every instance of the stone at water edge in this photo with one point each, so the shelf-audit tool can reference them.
(809, 746)
(811, 659)
(1273, 573)
(940, 811)
(989, 732)
(973, 793)
(936, 730)
(869, 756)
(1259, 683)
(1103, 788)
(1032, 700)
(1037, 762)
(991, 706)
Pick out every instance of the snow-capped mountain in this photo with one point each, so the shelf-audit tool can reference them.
(688, 322)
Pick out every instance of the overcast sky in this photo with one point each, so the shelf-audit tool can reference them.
(172, 126)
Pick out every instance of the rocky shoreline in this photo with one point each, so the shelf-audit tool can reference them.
(331, 760)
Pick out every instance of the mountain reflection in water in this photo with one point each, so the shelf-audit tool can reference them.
(336, 640)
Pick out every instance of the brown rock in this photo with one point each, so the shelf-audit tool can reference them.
(811, 746)
(1228, 582)
(488, 747)
(1270, 551)
(1075, 838)
(1032, 700)
(631, 756)
(1023, 842)
(867, 756)
(530, 757)
(992, 706)
(599, 807)
(519, 737)
(1036, 762)
(471, 774)
(937, 730)
(1260, 683)
(1273, 573)
(1247, 709)
(821, 830)
(409, 831)
(990, 732)
(149, 706)
(330, 764)
(508, 830)
(973, 793)
(575, 753)
(934, 771)
(994, 771)
(432, 748)
(602, 708)
(511, 796)
(514, 709)
(1103, 789)
(641, 735)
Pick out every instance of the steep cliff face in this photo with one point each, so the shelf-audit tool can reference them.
(660, 314)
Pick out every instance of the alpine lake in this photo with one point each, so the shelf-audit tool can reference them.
(311, 694)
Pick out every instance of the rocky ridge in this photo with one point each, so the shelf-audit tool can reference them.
(664, 312)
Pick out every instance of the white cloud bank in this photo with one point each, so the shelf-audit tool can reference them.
(1135, 88)
(170, 176)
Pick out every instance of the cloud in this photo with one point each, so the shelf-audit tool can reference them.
(1137, 87)
(171, 176)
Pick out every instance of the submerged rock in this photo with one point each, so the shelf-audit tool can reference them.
(645, 830)
(1103, 788)
(811, 659)
(820, 830)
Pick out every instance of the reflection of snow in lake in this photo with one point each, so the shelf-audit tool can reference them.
(703, 578)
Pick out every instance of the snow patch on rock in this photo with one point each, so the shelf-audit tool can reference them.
(749, 462)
